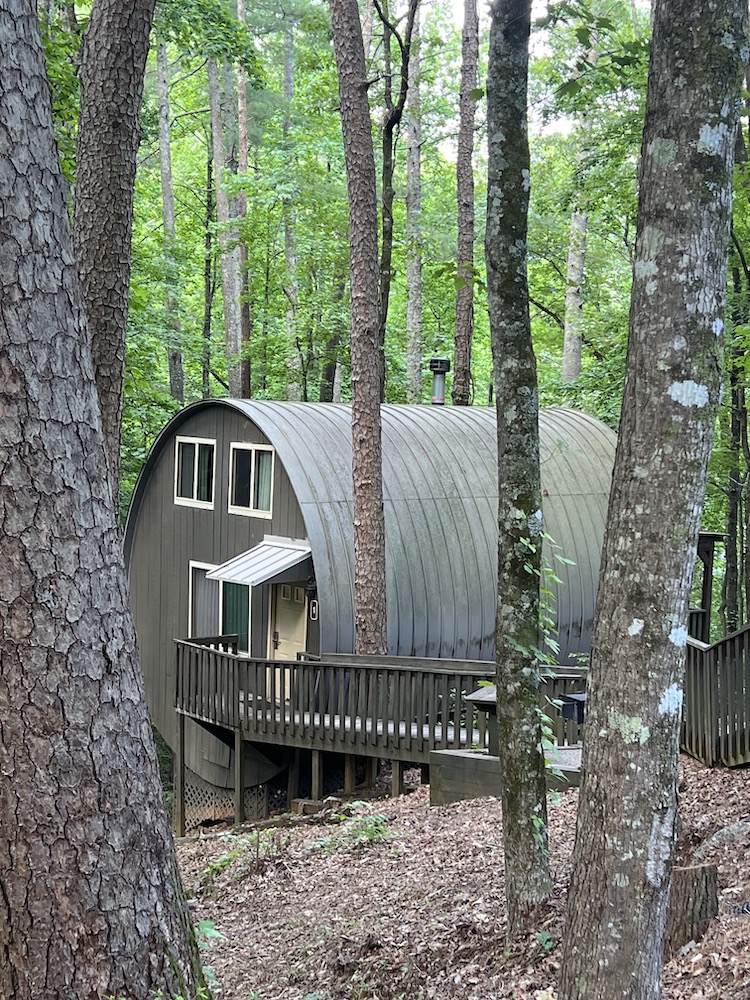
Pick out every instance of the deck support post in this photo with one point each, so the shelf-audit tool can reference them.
(178, 817)
(350, 773)
(397, 777)
(424, 773)
(239, 779)
(371, 771)
(316, 791)
(292, 784)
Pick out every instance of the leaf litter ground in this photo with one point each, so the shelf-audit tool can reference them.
(390, 898)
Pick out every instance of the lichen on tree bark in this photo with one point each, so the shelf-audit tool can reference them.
(520, 522)
(625, 832)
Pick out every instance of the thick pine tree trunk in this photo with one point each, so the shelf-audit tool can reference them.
(467, 104)
(90, 897)
(527, 876)
(367, 475)
(625, 833)
(115, 48)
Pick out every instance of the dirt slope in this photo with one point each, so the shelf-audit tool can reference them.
(403, 901)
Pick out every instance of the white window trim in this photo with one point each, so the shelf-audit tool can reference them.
(190, 501)
(193, 564)
(250, 511)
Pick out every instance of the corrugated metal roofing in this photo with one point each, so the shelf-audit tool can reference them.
(440, 498)
(263, 562)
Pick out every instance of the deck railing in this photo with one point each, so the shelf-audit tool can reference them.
(392, 708)
(716, 711)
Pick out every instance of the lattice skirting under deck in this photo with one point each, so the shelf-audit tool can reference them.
(206, 803)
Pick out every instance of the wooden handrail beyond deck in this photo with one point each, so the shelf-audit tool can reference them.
(398, 711)
(716, 709)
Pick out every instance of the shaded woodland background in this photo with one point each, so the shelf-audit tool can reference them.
(241, 163)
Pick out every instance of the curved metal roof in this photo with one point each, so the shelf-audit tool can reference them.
(440, 498)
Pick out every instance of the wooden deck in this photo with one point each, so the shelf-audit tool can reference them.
(398, 709)
(404, 709)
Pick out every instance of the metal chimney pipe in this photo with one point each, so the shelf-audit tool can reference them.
(439, 368)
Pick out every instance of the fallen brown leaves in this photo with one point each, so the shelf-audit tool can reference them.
(399, 900)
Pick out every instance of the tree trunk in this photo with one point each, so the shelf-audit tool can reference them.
(414, 228)
(693, 903)
(467, 104)
(246, 325)
(174, 354)
(228, 241)
(113, 63)
(209, 282)
(367, 474)
(625, 831)
(291, 283)
(730, 606)
(394, 111)
(90, 898)
(575, 272)
(576, 267)
(527, 876)
(330, 365)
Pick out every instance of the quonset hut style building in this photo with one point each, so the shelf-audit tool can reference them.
(241, 522)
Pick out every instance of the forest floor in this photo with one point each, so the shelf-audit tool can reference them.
(400, 900)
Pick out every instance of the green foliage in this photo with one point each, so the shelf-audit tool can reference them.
(206, 28)
(363, 829)
(247, 854)
(62, 43)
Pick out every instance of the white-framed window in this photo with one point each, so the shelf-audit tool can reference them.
(251, 479)
(204, 605)
(194, 472)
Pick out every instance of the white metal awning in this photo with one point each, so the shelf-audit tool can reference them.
(264, 561)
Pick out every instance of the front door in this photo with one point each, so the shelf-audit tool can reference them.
(288, 621)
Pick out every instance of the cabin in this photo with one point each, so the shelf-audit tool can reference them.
(241, 525)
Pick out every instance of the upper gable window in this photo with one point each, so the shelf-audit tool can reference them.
(250, 479)
(194, 472)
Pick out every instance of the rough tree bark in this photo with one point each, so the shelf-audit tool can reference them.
(527, 876)
(625, 832)
(113, 63)
(90, 897)
(414, 227)
(174, 354)
(367, 463)
(467, 104)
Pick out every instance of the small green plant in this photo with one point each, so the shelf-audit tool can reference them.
(247, 854)
(363, 829)
(546, 941)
